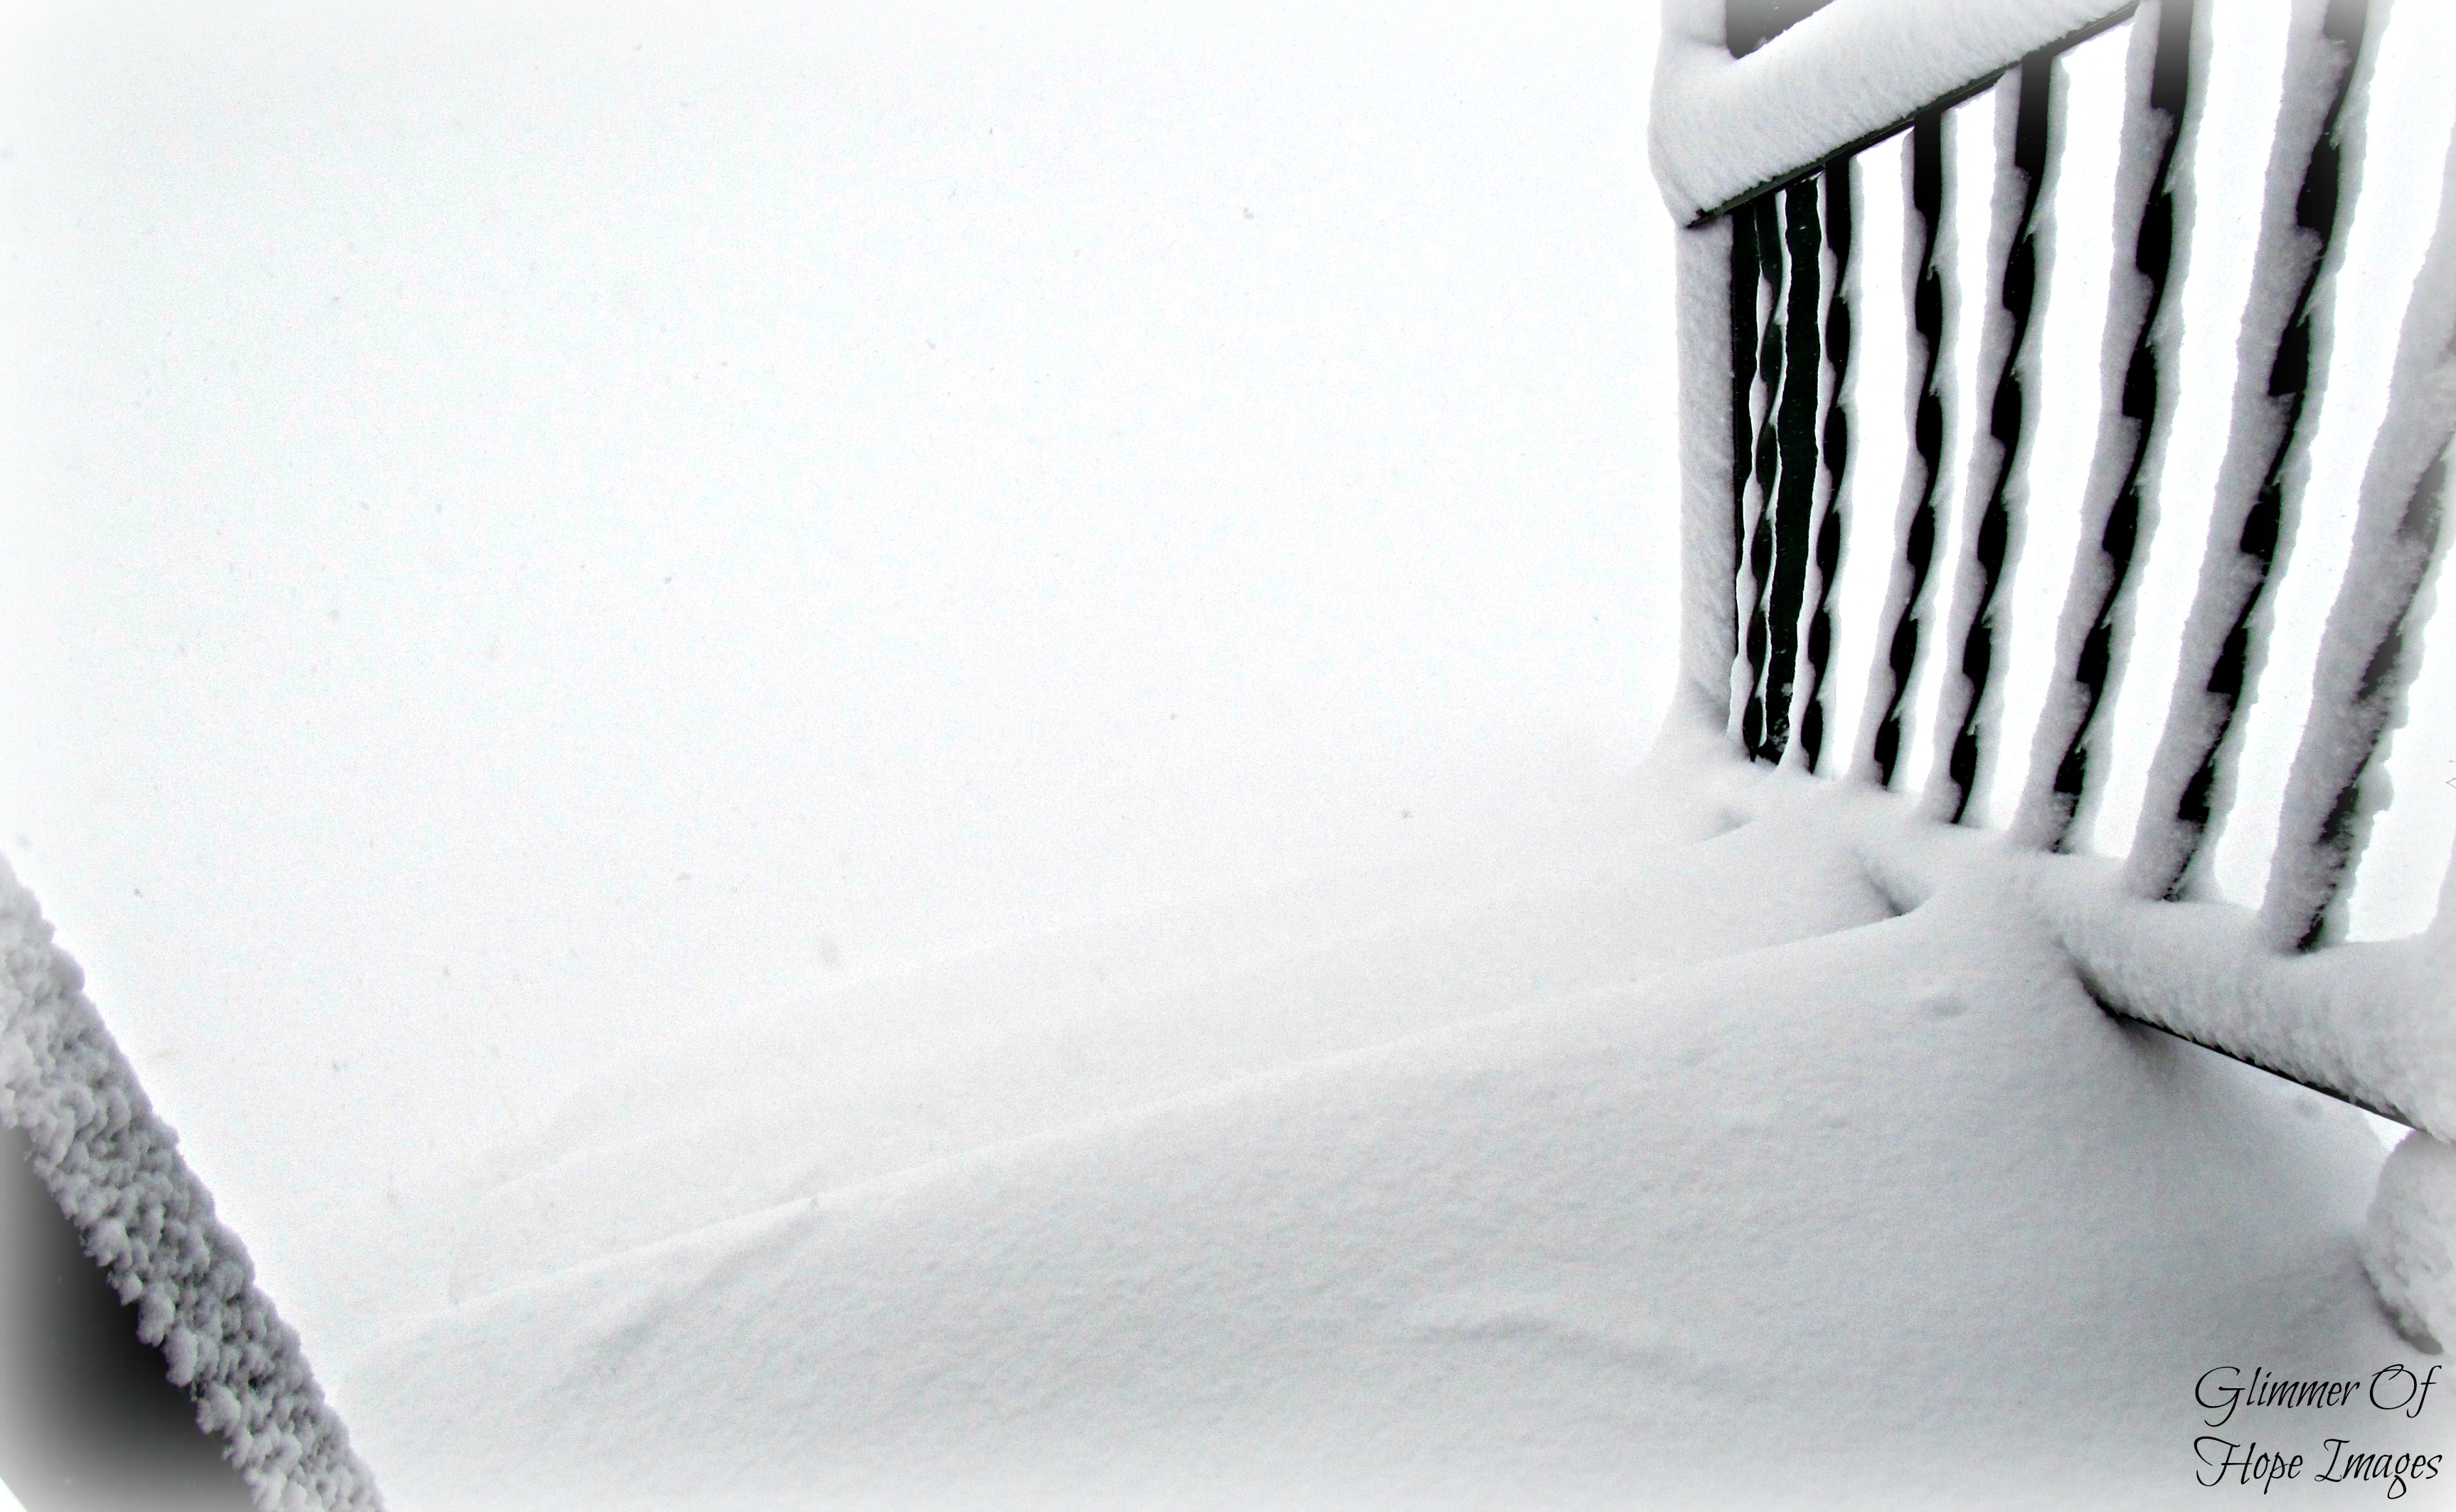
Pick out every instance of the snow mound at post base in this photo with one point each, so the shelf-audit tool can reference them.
(1894, 1211)
(2409, 1247)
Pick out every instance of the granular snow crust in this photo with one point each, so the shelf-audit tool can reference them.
(114, 1169)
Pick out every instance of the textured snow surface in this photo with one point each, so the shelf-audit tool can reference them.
(1691, 1173)
(1727, 127)
(115, 1170)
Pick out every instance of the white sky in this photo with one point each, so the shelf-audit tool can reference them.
(526, 534)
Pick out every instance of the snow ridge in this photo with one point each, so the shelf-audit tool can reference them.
(114, 1169)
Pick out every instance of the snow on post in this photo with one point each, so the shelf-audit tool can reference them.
(2141, 357)
(2280, 358)
(113, 1167)
(2020, 252)
(2369, 650)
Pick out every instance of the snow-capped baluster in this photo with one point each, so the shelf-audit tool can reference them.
(1718, 375)
(2442, 933)
(2280, 366)
(1928, 290)
(2139, 358)
(1758, 230)
(2019, 250)
(1837, 195)
(1783, 549)
(2370, 648)
(1725, 134)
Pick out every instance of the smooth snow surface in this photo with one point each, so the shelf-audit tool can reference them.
(2410, 1246)
(1678, 1168)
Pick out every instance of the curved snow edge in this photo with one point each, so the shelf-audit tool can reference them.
(114, 1169)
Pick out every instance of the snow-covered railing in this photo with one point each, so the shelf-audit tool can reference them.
(1758, 157)
(114, 1168)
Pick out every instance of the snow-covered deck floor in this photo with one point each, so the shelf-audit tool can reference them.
(1632, 1169)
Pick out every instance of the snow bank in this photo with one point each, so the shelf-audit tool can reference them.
(114, 1169)
(1588, 1189)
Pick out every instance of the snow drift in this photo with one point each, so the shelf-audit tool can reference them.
(1696, 1173)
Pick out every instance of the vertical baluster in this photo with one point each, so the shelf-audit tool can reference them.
(1837, 187)
(1929, 243)
(1792, 504)
(1765, 463)
(2281, 359)
(1744, 277)
(2018, 251)
(2118, 506)
(2370, 648)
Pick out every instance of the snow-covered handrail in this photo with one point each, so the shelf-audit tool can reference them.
(1727, 130)
(114, 1169)
(1757, 157)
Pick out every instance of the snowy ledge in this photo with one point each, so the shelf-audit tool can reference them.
(114, 1169)
(1725, 129)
